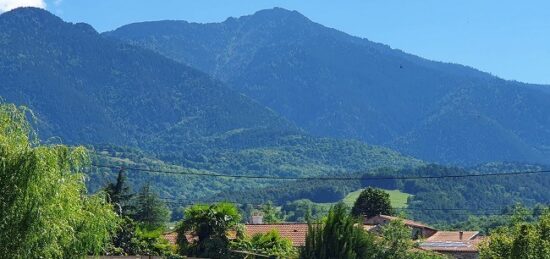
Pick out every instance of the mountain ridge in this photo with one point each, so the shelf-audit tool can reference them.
(336, 85)
(87, 89)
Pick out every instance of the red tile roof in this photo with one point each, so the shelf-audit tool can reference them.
(295, 232)
(452, 236)
(407, 222)
(172, 237)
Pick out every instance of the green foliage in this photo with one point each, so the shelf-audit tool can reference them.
(372, 202)
(120, 195)
(302, 210)
(297, 156)
(477, 195)
(510, 215)
(133, 239)
(270, 213)
(396, 241)
(270, 243)
(519, 240)
(397, 198)
(44, 209)
(208, 227)
(341, 236)
(150, 210)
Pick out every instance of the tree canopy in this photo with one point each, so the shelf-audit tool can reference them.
(209, 226)
(44, 209)
(519, 240)
(150, 210)
(372, 202)
(339, 237)
(119, 194)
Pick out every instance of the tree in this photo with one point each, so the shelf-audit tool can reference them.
(150, 210)
(44, 209)
(120, 195)
(341, 236)
(372, 202)
(396, 241)
(300, 210)
(209, 226)
(131, 239)
(271, 243)
(271, 215)
(521, 240)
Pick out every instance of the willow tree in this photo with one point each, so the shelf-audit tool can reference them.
(44, 209)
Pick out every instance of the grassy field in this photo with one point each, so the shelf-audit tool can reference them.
(398, 199)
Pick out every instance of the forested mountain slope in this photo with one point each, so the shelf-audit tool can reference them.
(333, 84)
(86, 89)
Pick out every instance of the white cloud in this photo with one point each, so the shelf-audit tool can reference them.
(6, 5)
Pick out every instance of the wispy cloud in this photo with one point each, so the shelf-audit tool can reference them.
(6, 5)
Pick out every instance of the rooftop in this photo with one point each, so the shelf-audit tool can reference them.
(452, 236)
(407, 222)
(449, 241)
(295, 232)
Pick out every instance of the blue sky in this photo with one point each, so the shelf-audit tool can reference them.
(510, 39)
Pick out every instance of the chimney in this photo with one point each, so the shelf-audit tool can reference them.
(460, 235)
(257, 218)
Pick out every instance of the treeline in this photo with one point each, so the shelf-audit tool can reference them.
(287, 156)
(437, 201)
(475, 195)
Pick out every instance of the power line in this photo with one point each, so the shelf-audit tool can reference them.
(324, 178)
(454, 212)
(188, 203)
(180, 202)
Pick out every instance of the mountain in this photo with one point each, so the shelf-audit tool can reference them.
(336, 85)
(86, 89)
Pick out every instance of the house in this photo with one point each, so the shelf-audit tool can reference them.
(295, 232)
(457, 244)
(419, 230)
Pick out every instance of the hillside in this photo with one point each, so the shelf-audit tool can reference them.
(336, 85)
(434, 201)
(85, 89)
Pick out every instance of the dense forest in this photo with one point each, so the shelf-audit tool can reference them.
(436, 201)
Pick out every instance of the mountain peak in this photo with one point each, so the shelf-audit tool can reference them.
(277, 14)
(277, 11)
(32, 19)
(30, 14)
